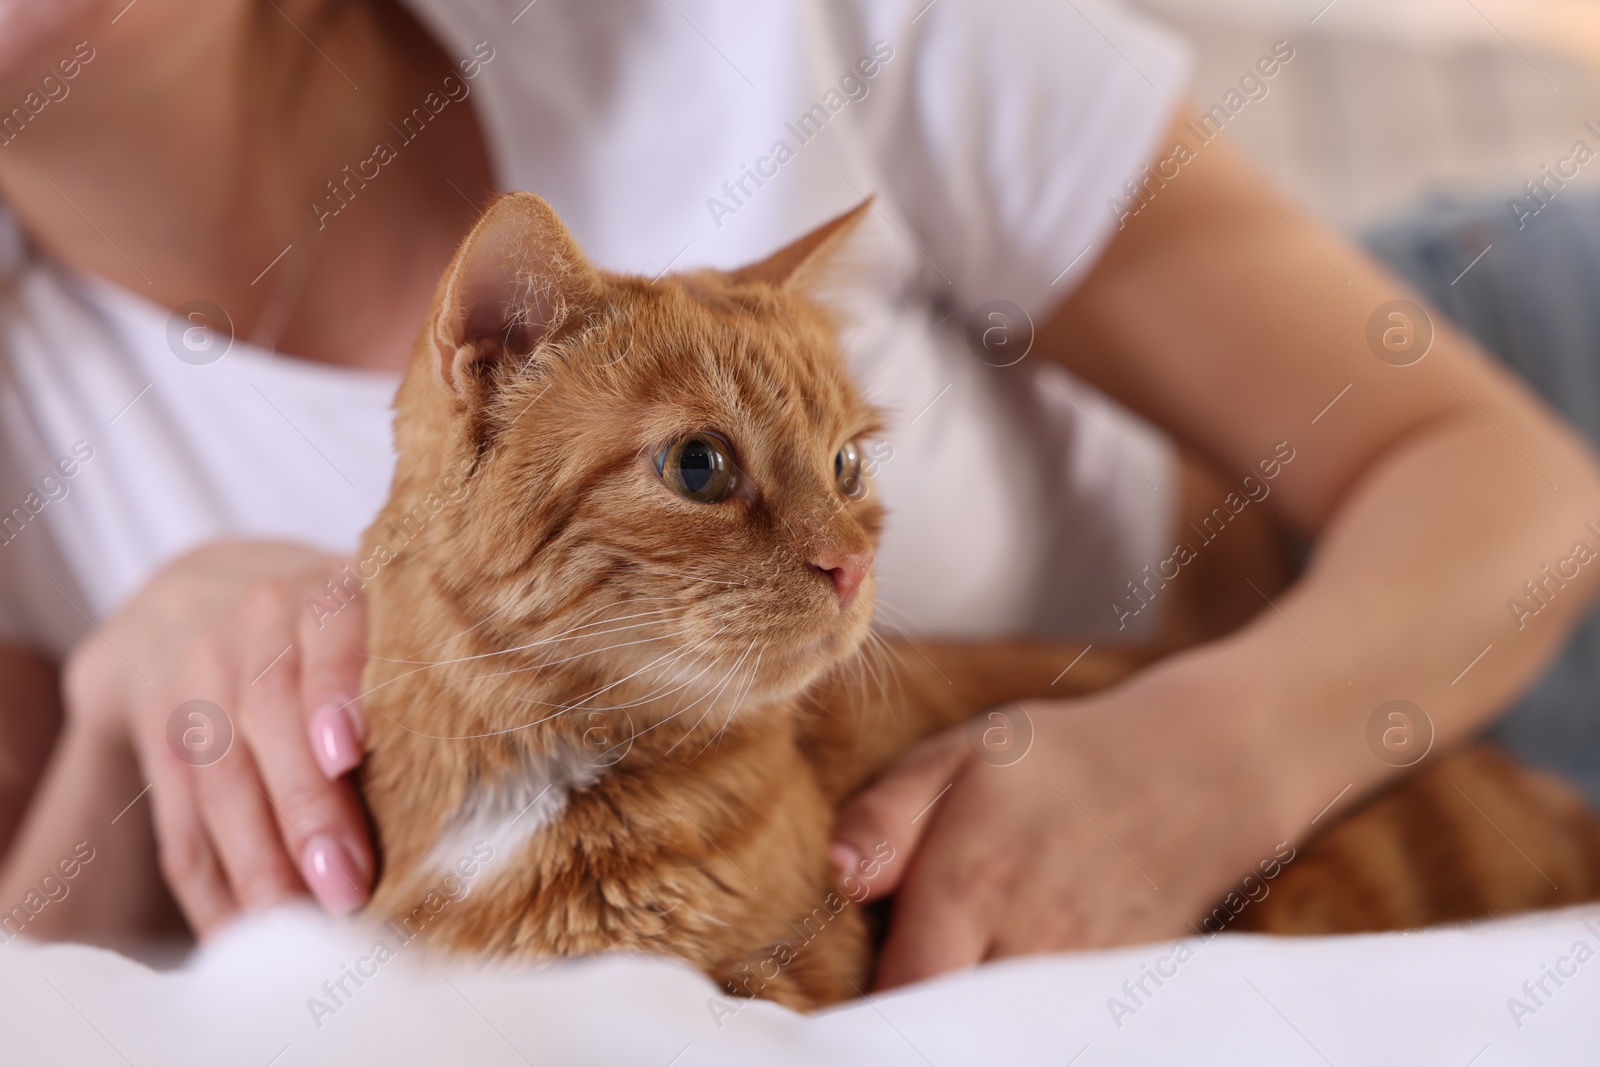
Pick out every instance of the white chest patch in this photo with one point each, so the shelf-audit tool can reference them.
(507, 809)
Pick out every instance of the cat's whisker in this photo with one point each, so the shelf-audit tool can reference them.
(738, 702)
(565, 635)
(588, 613)
(875, 665)
(886, 605)
(888, 668)
(580, 655)
(694, 578)
(678, 712)
(514, 670)
(665, 689)
(676, 653)
(485, 621)
(516, 648)
(717, 695)
(880, 659)
(573, 633)
(673, 655)
(861, 664)
(738, 699)
(904, 636)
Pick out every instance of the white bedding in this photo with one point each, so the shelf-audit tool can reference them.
(1440, 997)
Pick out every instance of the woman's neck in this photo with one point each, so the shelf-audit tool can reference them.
(199, 168)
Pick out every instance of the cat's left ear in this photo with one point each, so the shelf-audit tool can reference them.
(516, 281)
(802, 263)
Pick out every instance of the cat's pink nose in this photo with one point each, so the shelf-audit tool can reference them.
(847, 570)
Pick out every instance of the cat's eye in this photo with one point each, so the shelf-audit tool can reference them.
(698, 467)
(847, 471)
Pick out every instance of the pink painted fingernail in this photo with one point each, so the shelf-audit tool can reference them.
(334, 739)
(331, 874)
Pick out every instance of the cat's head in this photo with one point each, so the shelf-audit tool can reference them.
(665, 473)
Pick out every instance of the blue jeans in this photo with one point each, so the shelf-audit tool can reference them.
(1534, 302)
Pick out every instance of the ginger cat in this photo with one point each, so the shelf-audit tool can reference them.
(618, 641)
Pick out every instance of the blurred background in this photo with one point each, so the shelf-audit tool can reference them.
(1389, 103)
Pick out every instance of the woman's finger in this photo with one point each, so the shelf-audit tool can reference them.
(320, 823)
(187, 861)
(333, 648)
(243, 830)
(951, 894)
(234, 810)
(888, 818)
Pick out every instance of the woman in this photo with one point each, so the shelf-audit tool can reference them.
(296, 174)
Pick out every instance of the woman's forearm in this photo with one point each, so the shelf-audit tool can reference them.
(82, 866)
(1411, 597)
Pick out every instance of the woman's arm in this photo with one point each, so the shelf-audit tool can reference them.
(1434, 491)
(83, 864)
(72, 867)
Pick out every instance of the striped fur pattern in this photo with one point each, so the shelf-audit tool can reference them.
(1471, 835)
(605, 717)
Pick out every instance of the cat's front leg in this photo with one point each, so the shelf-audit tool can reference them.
(867, 711)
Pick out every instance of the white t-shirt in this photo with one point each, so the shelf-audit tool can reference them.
(992, 134)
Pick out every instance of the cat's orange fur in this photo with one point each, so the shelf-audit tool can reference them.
(682, 674)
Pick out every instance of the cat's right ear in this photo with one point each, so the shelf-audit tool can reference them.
(516, 280)
(805, 262)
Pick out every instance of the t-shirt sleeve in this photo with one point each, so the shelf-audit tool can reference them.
(1010, 124)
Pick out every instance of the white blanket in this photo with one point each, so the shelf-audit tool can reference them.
(1524, 991)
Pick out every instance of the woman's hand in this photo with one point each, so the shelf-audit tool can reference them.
(237, 698)
(1127, 819)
